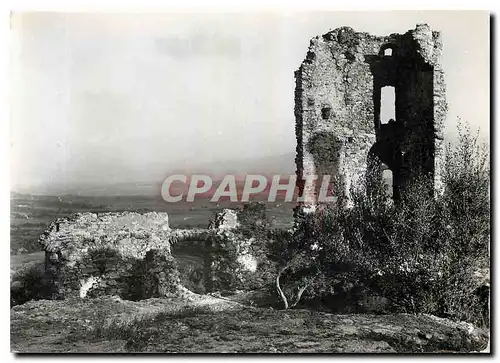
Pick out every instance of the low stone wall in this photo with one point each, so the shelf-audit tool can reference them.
(129, 254)
(231, 259)
(90, 254)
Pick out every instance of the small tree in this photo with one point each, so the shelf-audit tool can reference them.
(465, 229)
(423, 253)
(314, 250)
(289, 256)
(466, 194)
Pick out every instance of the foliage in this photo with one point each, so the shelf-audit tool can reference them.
(192, 277)
(30, 283)
(253, 220)
(294, 262)
(154, 276)
(422, 253)
(465, 216)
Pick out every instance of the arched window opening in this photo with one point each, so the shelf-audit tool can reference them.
(388, 51)
(387, 179)
(387, 104)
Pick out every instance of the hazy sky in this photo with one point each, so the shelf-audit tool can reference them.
(98, 98)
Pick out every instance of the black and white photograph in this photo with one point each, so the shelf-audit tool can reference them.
(273, 182)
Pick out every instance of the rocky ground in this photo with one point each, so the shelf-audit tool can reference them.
(209, 324)
(190, 322)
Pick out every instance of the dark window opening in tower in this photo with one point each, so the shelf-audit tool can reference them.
(387, 104)
(387, 180)
(388, 51)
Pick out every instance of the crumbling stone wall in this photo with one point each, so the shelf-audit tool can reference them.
(227, 254)
(337, 108)
(129, 254)
(126, 254)
(233, 259)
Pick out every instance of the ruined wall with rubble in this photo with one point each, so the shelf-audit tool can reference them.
(337, 107)
(126, 254)
(233, 260)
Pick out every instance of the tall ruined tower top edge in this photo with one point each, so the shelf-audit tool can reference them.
(422, 41)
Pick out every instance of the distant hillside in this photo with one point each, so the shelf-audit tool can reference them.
(150, 182)
(273, 164)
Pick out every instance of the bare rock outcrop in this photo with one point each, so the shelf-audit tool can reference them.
(71, 326)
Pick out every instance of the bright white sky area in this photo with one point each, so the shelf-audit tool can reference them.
(102, 98)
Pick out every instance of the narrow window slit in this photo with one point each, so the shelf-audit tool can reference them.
(387, 104)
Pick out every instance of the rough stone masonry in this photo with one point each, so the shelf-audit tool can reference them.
(114, 253)
(128, 254)
(338, 102)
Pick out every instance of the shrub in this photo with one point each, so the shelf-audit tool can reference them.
(192, 277)
(30, 283)
(253, 220)
(295, 263)
(421, 253)
(465, 229)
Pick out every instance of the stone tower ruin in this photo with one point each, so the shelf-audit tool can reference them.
(342, 126)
